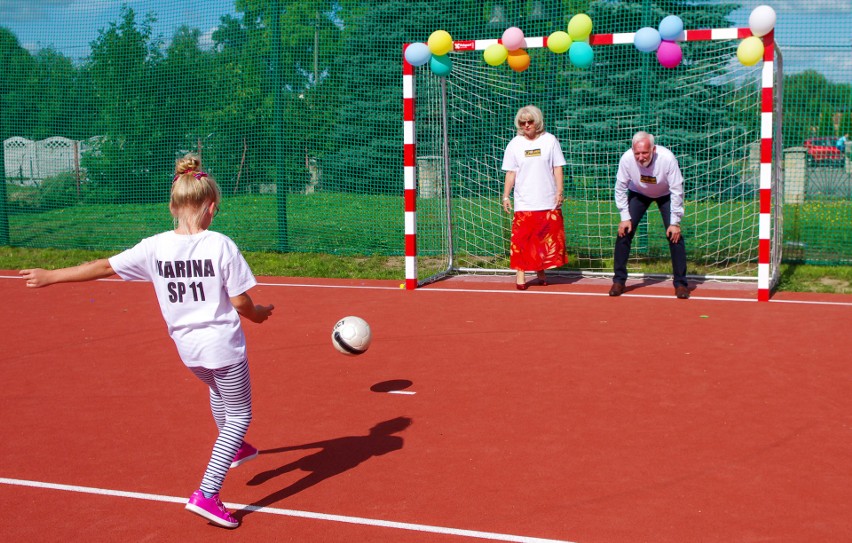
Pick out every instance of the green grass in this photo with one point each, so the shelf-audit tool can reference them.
(332, 223)
(794, 277)
(355, 236)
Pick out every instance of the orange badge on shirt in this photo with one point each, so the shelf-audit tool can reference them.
(532, 152)
(648, 179)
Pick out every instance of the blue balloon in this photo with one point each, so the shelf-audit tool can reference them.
(671, 27)
(441, 65)
(647, 39)
(418, 54)
(581, 54)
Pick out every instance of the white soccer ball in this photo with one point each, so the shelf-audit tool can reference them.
(351, 336)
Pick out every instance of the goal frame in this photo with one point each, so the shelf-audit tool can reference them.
(770, 216)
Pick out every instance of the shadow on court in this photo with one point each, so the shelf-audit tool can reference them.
(335, 456)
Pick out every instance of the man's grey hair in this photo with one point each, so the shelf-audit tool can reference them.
(642, 135)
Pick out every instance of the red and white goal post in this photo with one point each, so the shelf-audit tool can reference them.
(722, 120)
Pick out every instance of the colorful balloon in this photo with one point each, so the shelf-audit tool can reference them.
(518, 60)
(750, 51)
(440, 42)
(671, 27)
(417, 54)
(495, 54)
(441, 65)
(762, 20)
(581, 54)
(580, 27)
(513, 38)
(559, 42)
(669, 54)
(647, 39)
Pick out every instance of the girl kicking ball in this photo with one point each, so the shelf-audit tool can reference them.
(202, 282)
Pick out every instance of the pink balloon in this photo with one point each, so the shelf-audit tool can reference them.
(513, 38)
(669, 54)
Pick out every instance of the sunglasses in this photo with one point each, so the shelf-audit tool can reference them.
(524, 123)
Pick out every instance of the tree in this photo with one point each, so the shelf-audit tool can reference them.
(18, 109)
(629, 91)
(185, 92)
(366, 140)
(15, 112)
(810, 101)
(64, 102)
(125, 166)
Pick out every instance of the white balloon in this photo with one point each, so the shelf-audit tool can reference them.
(762, 20)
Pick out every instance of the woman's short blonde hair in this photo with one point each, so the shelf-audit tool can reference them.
(192, 191)
(528, 113)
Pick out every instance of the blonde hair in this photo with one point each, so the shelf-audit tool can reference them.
(192, 191)
(530, 113)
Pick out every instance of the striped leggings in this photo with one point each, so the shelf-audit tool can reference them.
(230, 402)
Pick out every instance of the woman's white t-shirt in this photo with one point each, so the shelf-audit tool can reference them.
(194, 277)
(533, 161)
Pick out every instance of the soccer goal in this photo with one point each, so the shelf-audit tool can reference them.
(719, 117)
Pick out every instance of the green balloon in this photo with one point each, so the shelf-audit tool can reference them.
(441, 65)
(581, 54)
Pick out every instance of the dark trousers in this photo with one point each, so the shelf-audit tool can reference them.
(638, 205)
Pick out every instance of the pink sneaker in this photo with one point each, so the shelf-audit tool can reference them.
(244, 454)
(212, 509)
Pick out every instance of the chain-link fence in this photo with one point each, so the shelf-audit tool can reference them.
(295, 108)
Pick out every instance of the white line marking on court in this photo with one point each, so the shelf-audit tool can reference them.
(529, 293)
(289, 512)
(628, 296)
(408, 392)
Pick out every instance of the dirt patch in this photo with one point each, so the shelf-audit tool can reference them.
(836, 283)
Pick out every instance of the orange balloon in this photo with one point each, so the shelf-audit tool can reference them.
(519, 60)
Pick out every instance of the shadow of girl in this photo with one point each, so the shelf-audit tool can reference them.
(334, 457)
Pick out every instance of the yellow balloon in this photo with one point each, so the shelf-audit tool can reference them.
(440, 42)
(580, 27)
(559, 42)
(495, 54)
(519, 60)
(750, 51)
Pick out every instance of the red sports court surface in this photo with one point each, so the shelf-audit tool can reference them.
(479, 413)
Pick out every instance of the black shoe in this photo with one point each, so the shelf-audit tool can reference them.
(681, 292)
(617, 289)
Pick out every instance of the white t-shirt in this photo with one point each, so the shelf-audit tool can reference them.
(533, 161)
(194, 277)
(661, 177)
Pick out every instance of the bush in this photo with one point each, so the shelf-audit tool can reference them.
(59, 191)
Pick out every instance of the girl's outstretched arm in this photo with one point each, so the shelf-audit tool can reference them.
(97, 269)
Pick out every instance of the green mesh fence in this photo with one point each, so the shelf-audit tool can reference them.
(295, 108)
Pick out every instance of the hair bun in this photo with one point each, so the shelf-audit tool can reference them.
(188, 163)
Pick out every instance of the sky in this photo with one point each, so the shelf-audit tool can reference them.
(811, 33)
(42, 23)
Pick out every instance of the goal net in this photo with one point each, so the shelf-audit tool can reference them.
(719, 117)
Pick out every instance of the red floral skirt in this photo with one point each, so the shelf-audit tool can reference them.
(538, 240)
